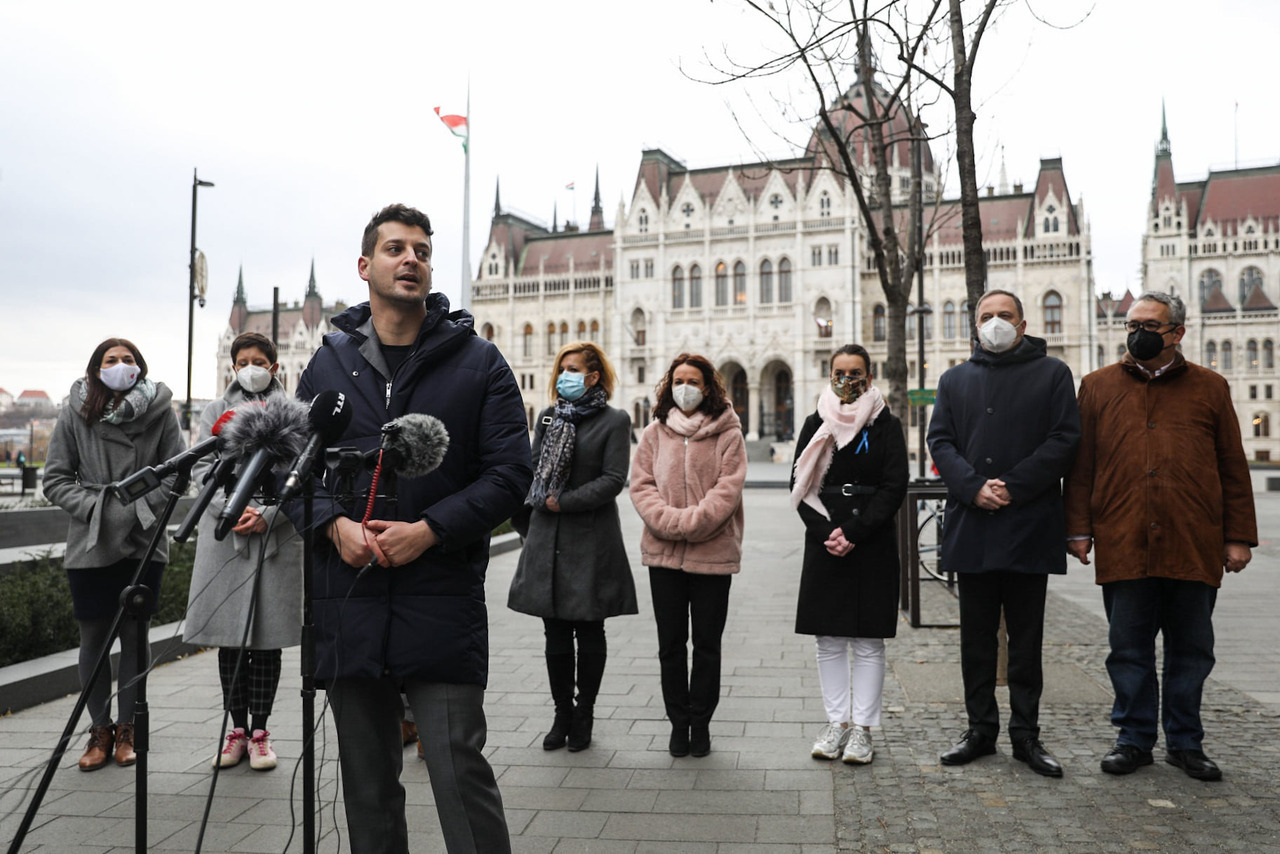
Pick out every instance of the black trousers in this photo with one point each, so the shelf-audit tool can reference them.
(680, 600)
(983, 595)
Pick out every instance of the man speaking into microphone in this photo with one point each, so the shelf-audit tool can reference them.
(399, 584)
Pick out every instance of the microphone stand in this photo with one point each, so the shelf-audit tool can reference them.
(308, 673)
(135, 602)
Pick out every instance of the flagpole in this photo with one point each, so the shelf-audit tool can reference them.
(466, 210)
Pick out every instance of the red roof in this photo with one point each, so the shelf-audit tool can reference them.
(1216, 302)
(30, 394)
(1052, 180)
(1163, 184)
(590, 250)
(1257, 301)
(850, 115)
(1240, 194)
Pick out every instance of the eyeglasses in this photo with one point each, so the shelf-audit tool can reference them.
(1149, 325)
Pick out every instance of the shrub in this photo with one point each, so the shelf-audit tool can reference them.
(35, 604)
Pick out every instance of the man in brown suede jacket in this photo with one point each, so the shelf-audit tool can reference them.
(1161, 486)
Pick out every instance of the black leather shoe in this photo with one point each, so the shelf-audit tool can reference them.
(970, 746)
(1125, 759)
(679, 743)
(699, 741)
(1032, 752)
(1195, 763)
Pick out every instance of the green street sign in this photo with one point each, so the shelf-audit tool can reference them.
(921, 396)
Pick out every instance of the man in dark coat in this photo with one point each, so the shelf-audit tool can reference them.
(1162, 486)
(1003, 433)
(399, 598)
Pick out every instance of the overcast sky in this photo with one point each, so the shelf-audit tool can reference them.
(309, 117)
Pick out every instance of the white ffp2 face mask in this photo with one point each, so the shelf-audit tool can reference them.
(253, 378)
(687, 397)
(119, 377)
(997, 335)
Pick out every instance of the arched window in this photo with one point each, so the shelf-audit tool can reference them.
(637, 327)
(564, 333)
(1102, 355)
(1209, 279)
(1226, 356)
(677, 287)
(926, 321)
(1251, 355)
(722, 283)
(527, 349)
(695, 286)
(1268, 355)
(739, 283)
(766, 281)
(1120, 351)
(582, 330)
(877, 323)
(784, 280)
(1211, 355)
(642, 221)
(949, 320)
(1250, 278)
(1052, 313)
(551, 339)
(822, 317)
(911, 322)
(595, 331)
(487, 331)
(1261, 425)
(824, 204)
(529, 416)
(964, 318)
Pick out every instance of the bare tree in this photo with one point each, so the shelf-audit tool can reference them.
(826, 42)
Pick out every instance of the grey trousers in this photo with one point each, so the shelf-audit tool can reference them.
(451, 725)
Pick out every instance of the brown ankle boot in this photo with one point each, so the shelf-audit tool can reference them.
(124, 745)
(98, 751)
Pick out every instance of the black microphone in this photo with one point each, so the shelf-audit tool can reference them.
(260, 435)
(415, 444)
(217, 477)
(328, 418)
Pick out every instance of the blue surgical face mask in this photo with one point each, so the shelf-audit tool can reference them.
(571, 386)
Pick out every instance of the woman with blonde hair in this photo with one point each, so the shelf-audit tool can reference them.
(686, 484)
(573, 571)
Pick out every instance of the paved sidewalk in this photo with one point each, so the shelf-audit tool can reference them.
(759, 792)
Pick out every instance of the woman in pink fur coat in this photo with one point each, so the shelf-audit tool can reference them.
(686, 484)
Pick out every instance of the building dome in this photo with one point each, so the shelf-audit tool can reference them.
(849, 114)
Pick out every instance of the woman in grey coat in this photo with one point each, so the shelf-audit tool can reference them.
(573, 570)
(225, 578)
(115, 423)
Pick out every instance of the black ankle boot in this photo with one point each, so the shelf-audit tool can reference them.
(699, 740)
(580, 730)
(559, 732)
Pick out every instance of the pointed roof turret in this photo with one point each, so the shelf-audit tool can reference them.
(239, 307)
(1003, 188)
(555, 217)
(312, 305)
(311, 283)
(1163, 147)
(240, 296)
(597, 210)
(497, 198)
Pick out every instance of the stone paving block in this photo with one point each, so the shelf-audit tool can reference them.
(620, 800)
(571, 823)
(680, 828)
(729, 803)
(724, 780)
(595, 846)
(598, 778)
(819, 779)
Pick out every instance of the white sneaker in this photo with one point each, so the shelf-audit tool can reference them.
(831, 742)
(261, 756)
(233, 751)
(859, 750)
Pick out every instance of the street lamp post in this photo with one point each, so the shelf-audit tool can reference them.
(196, 184)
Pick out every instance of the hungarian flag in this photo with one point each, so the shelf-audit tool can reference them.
(457, 125)
(569, 186)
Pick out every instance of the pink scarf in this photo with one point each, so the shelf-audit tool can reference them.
(841, 423)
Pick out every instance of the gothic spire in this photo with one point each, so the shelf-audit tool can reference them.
(311, 284)
(597, 210)
(1163, 147)
(497, 198)
(240, 297)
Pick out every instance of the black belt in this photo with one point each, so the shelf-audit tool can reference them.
(847, 489)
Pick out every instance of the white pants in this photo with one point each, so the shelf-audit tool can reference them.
(857, 698)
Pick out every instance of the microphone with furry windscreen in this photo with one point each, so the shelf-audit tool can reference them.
(260, 435)
(413, 445)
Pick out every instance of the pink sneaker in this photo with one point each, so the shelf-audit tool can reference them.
(234, 750)
(261, 755)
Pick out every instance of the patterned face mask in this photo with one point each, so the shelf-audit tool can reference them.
(848, 389)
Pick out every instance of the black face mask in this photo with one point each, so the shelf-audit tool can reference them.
(1145, 345)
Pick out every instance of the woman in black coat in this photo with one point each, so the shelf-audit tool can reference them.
(849, 478)
(573, 570)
